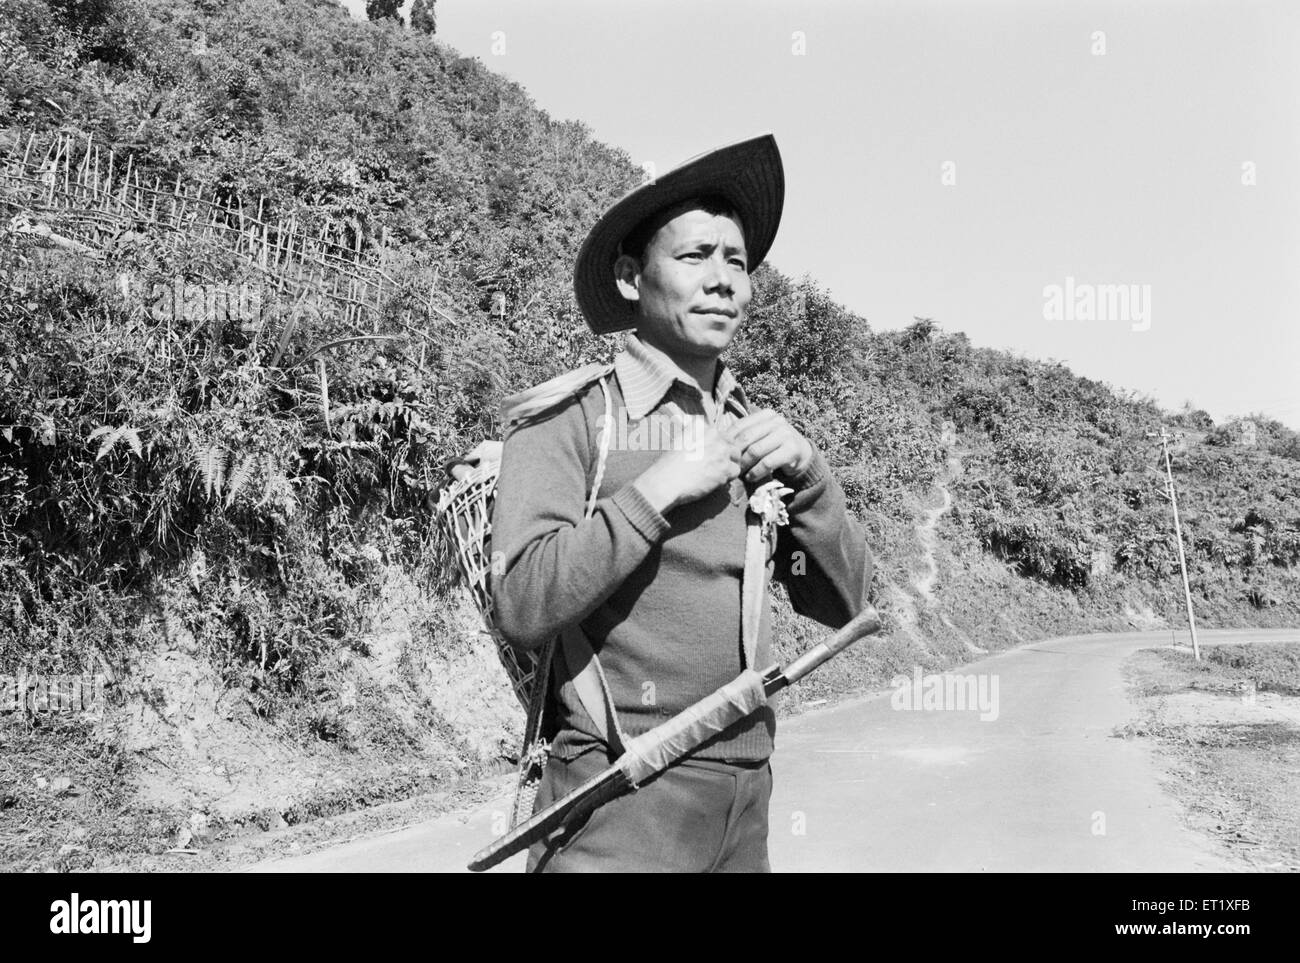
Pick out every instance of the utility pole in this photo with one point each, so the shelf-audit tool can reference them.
(1178, 534)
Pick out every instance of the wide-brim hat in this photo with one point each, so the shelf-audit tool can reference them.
(747, 173)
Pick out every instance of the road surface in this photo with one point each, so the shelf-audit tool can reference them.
(1040, 784)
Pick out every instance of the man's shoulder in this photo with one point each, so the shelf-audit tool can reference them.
(567, 403)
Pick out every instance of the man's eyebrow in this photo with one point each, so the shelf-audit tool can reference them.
(692, 243)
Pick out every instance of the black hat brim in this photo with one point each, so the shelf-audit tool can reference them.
(748, 174)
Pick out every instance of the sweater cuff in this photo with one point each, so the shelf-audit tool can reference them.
(813, 473)
(643, 516)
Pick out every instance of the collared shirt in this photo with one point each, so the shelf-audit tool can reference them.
(647, 375)
(660, 402)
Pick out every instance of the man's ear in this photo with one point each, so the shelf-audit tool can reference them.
(627, 273)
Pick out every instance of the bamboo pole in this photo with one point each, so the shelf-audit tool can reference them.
(126, 177)
(176, 200)
(51, 167)
(108, 177)
(94, 191)
(82, 169)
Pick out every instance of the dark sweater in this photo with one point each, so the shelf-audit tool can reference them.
(659, 597)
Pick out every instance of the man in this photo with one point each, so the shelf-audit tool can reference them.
(653, 578)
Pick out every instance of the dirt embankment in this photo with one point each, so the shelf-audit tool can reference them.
(174, 763)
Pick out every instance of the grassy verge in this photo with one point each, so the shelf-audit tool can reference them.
(1228, 730)
(64, 796)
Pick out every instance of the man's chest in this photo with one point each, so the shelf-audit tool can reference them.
(637, 443)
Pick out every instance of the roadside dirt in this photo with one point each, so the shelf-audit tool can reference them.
(1230, 752)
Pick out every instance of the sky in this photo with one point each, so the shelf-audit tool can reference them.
(990, 165)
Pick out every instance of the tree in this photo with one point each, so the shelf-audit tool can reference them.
(422, 17)
(383, 10)
(921, 330)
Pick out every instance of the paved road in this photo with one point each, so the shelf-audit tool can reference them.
(868, 786)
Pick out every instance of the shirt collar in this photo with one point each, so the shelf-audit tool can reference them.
(645, 374)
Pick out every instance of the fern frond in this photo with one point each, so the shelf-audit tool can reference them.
(110, 439)
(270, 479)
(212, 468)
(223, 462)
(242, 472)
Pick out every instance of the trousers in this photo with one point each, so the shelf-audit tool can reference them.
(694, 817)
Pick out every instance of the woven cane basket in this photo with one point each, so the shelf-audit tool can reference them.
(464, 513)
(465, 517)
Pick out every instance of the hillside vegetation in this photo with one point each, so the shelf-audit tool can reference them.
(229, 515)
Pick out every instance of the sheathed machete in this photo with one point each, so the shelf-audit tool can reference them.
(661, 746)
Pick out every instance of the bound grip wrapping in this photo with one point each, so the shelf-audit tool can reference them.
(663, 745)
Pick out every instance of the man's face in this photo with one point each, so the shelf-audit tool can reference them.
(692, 284)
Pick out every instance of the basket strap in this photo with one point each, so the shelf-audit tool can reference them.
(580, 663)
(753, 588)
(577, 661)
(603, 445)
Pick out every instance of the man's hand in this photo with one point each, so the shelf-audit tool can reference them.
(685, 476)
(769, 443)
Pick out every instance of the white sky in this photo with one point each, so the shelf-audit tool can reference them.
(1124, 168)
